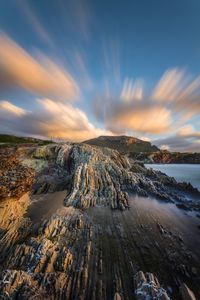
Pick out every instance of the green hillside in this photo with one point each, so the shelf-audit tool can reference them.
(6, 139)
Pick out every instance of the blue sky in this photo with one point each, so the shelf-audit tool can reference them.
(101, 67)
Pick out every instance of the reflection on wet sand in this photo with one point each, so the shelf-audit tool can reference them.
(44, 205)
(97, 251)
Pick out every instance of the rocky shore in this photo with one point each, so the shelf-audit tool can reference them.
(166, 157)
(95, 246)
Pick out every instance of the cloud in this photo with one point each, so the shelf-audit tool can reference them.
(9, 108)
(165, 147)
(176, 89)
(19, 69)
(77, 16)
(169, 86)
(173, 101)
(111, 59)
(34, 22)
(178, 143)
(185, 139)
(52, 120)
(144, 138)
(189, 132)
(141, 118)
(132, 90)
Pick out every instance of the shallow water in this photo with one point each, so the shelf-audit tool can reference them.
(182, 222)
(181, 172)
(43, 206)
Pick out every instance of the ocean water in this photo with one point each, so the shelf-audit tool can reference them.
(181, 172)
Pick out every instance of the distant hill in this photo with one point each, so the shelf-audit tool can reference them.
(7, 139)
(124, 144)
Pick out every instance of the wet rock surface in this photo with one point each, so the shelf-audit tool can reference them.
(94, 246)
(147, 286)
(94, 254)
(101, 176)
(92, 176)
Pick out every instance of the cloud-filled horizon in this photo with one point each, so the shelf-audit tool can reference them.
(67, 81)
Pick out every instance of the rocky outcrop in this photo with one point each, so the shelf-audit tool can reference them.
(101, 176)
(15, 179)
(91, 175)
(166, 157)
(147, 287)
(87, 250)
(186, 293)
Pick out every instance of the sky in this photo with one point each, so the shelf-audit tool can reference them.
(77, 69)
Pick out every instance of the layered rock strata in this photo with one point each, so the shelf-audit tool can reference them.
(95, 176)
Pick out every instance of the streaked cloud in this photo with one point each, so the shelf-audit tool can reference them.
(42, 77)
(165, 110)
(169, 86)
(52, 120)
(132, 90)
(9, 108)
(142, 118)
(179, 143)
(34, 22)
(189, 132)
(77, 16)
(111, 59)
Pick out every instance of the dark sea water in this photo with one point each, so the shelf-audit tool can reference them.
(181, 172)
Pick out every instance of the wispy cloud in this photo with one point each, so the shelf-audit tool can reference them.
(77, 17)
(9, 108)
(53, 119)
(111, 59)
(43, 77)
(35, 22)
(132, 90)
(174, 100)
(169, 86)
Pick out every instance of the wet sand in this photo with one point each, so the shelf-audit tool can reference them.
(44, 206)
(151, 236)
(132, 241)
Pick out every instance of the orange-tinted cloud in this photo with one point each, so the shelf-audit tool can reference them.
(169, 86)
(174, 100)
(9, 108)
(53, 120)
(143, 119)
(132, 90)
(20, 70)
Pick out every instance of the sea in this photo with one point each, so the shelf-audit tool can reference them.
(181, 172)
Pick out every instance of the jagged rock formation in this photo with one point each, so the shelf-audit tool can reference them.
(101, 176)
(148, 287)
(166, 157)
(86, 250)
(90, 254)
(92, 176)
(15, 179)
